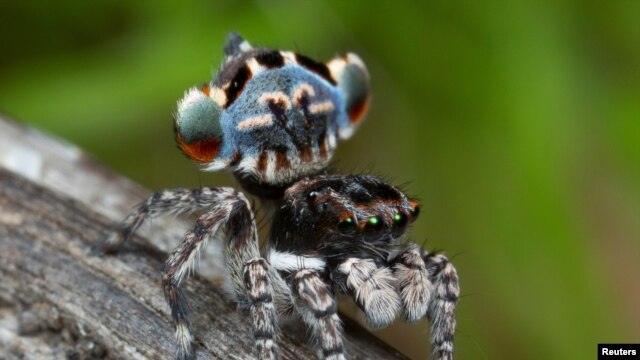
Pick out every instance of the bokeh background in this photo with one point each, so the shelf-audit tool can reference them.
(516, 123)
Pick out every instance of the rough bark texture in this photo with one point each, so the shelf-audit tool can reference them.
(58, 302)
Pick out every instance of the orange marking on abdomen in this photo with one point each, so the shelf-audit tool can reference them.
(261, 165)
(305, 154)
(357, 111)
(203, 151)
(282, 162)
(324, 147)
(205, 89)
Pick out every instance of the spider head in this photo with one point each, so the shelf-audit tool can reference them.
(343, 214)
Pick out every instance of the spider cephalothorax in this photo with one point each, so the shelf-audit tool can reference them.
(329, 214)
(354, 225)
(272, 118)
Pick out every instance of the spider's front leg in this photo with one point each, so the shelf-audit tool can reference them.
(314, 301)
(263, 313)
(372, 287)
(429, 286)
(230, 218)
(176, 201)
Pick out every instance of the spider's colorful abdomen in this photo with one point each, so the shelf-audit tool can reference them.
(272, 116)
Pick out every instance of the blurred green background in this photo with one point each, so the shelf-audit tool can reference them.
(516, 123)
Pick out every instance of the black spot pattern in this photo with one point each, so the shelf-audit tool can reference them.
(240, 79)
(270, 59)
(316, 67)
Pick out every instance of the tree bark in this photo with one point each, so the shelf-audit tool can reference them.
(56, 301)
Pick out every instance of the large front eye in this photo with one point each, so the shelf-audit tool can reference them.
(348, 226)
(373, 225)
(400, 221)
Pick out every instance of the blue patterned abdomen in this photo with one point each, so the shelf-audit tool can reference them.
(270, 116)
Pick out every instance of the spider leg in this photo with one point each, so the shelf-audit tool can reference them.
(231, 219)
(372, 287)
(429, 285)
(442, 306)
(263, 313)
(413, 282)
(175, 201)
(314, 301)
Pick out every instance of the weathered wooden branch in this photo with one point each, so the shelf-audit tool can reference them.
(58, 302)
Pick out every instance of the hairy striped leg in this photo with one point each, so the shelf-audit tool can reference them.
(248, 274)
(263, 313)
(174, 201)
(442, 306)
(372, 287)
(413, 282)
(229, 218)
(429, 286)
(315, 302)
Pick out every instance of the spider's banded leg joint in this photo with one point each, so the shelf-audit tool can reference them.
(178, 305)
(314, 301)
(220, 201)
(176, 268)
(413, 281)
(263, 313)
(175, 201)
(442, 306)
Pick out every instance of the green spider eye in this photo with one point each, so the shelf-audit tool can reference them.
(348, 226)
(400, 219)
(373, 224)
(399, 222)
